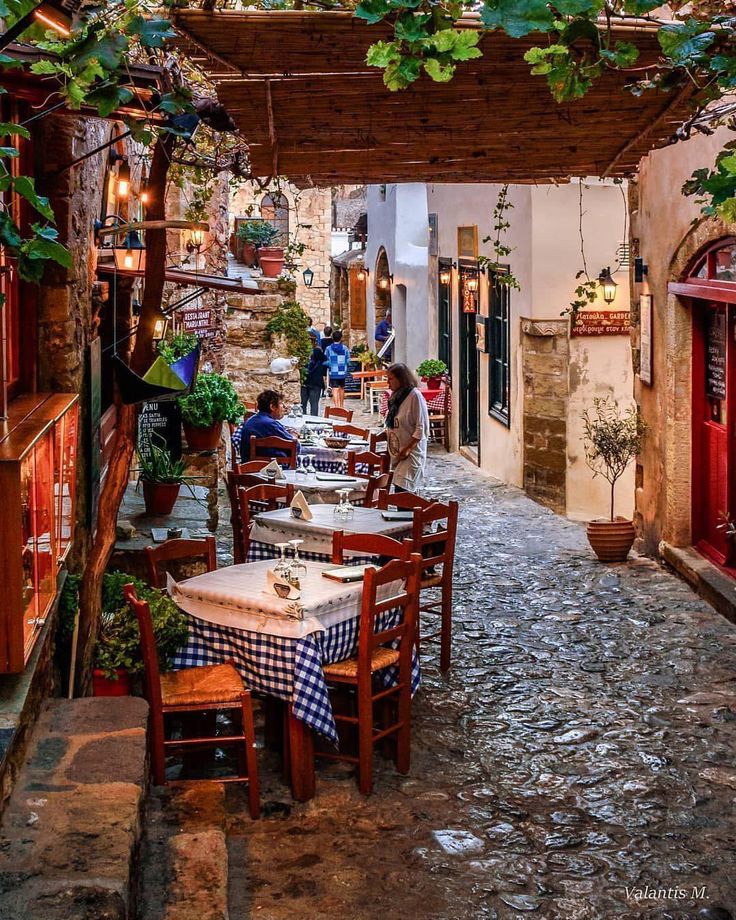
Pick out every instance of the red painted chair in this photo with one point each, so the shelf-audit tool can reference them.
(364, 463)
(179, 551)
(378, 442)
(236, 481)
(376, 485)
(267, 447)
(401, 500)
(337, 412)
(194, 690)
(254, 500)
(355, 430)
(368, 544)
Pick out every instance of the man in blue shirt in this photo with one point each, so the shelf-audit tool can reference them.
(383, 331)
(337, 357)
(265, 424)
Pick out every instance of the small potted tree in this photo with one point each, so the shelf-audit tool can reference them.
(162, 477)
(612, 439)
(258, 237)
(213, 400)
(431, 370)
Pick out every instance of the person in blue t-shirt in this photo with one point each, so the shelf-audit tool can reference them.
(383, 331)
(265, 424)
(337, 356)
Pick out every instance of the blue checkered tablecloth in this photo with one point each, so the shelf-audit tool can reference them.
(325, 459)
(285, 667)
(258, 551)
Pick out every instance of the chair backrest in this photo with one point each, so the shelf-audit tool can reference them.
(176, 551)
(356, 430)
(252, 466)
(268, 447)
(338, 412)
(377, 484)
(368, 544)
(366, 464)
(236, 481)
(405, 500)
(254, 500)
(437, 547)
(371, 631)
(152, 674)
(378, 441)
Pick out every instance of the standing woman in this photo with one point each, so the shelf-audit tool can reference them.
(407, 425)
(314, 381)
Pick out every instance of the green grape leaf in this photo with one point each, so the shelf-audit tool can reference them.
(685, 43)
(25, 186)
(411, 27)
(153, 33)
(9, 232)
(106, 99)
(44, 68)
(383, 54)
(440, 73)
(517, 17)
(372, 10)
(9, 128)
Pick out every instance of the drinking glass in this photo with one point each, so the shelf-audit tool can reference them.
(310, 467)
(282, 566)
(300, 471)
(297, 566)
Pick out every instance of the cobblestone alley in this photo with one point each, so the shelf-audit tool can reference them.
(576, 764)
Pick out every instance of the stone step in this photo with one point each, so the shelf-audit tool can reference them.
(72, 827)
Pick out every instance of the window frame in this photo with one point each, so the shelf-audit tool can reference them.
(499, 319)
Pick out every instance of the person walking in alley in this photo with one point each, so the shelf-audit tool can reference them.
(337, 356)
(314, 381)
(383, 331)
(407, 425)
(326, 339)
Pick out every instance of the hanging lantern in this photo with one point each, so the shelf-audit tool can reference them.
(605, 279)
(54, 17)
(131, 255)
(197, 237)
(362, 274)
(445, 275)
(123, 187)
(384, 282)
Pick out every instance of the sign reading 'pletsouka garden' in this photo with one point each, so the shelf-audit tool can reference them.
(602, 322)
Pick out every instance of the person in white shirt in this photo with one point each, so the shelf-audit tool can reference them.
(407, 425)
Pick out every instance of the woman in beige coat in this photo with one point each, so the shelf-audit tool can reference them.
(407, 425)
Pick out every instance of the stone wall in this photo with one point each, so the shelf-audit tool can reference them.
(310, 210)
(545, 358)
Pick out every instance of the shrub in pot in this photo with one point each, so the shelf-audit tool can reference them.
(118, 652)
(431, 370)
(257, 237)
(612, 439)
(213, 400)
(162, 477)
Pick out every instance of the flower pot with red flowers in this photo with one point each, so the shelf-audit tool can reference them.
(612, 439)
(212, 402)
(432, 371)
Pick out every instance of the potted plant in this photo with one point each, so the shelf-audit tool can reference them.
(213, 400)
(612, 439)
(431, 370)
(257, 237)
(177, 346)
(118, 653)
(162, 477)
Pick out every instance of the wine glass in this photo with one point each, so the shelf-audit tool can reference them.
(297, 566)
(300, 471)
(282, 566)
(310, 467)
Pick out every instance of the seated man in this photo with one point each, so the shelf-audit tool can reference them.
(265, 424)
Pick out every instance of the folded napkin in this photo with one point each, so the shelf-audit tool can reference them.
(278, 585)
(300, 507)
(273, 467)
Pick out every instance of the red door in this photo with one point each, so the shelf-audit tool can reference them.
(714, 363)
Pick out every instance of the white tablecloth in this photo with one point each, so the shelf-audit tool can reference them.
(235, 597)
(321, 491)
(279, 527)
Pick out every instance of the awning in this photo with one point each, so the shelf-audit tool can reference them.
(309, 108)
(179, 276)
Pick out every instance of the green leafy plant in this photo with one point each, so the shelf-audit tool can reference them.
(290, 321)
(431, 367)
(612, 439)
(368, 359)
(501, 251)
(257, 232)
(177, 346)
(212, 401)
(158, 465)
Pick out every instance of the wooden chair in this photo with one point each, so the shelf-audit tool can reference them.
(404, 500)
(266, 447)
(176, 551)
(194, 690)
(437, 548)
(255, 499)
(355, 430)
(365, 464)
(236, 481)
(378, 442)
(439, 421)
(380, 648)
(375, 394)
(252, 467)
(376, 484)
(338, 412)
(369, 544)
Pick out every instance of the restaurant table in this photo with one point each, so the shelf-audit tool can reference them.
(233, 618)
(319, 491)
(280, 526)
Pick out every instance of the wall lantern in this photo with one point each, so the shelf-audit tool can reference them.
(445, 275)
(123, 187)
(471, 284)
(605, 279)
(131, 255)
(159, 328)
(145, 194)
(384, 282)
(362, 274)
(308, 276)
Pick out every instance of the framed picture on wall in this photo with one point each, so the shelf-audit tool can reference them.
(482, 337)
(467, 242)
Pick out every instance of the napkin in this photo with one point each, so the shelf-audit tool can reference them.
(300, 507)
(273, 467)
(278, 585)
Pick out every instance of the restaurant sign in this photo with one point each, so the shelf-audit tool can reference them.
(198, 320)
(602, 322)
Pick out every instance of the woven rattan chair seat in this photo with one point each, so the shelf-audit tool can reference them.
(215, 683)
(380, 658)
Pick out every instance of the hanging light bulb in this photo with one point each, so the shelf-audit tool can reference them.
(197, 237)
(362, 274)
(123, 180)
(605, 279)
(131, 256)
(472, 284)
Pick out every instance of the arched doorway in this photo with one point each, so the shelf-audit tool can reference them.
(711, 284)
(381, 287)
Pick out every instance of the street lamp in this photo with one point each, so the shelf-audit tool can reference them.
(384, 282)
(605, 279)
(308, 276)
(472, 284)
(123, 180)
(362, 274)
(445, 275)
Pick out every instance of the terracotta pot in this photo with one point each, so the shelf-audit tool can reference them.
(248, 254)
(203, 438)
(104, 686)
(271, 252)
(160, 497)
(611, 540)
(271, 266)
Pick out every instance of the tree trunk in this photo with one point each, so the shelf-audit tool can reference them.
(613, 489)
(118, 471)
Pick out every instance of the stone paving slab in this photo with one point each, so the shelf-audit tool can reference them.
(71, 830)
(577, 762)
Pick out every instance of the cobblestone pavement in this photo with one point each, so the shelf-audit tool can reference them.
(577, 762)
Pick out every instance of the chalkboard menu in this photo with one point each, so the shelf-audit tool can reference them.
(352, 386)
(715, 354)
(162, 420)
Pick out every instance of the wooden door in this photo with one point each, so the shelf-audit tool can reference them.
(713, 427)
